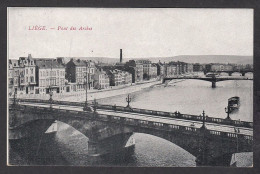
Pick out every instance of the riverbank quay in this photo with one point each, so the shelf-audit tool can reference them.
(94, 94)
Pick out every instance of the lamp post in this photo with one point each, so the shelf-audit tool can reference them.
(227, 110)
(85, 108)
(128, 100)
(50, 91)
(203, 122)
(14, 102)
(95, 105)
(50, 100)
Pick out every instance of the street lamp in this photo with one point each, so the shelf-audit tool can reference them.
(14, 100)
(86, 107)
(203, 125)
(95, 105)
(227, 110)
(50, 100)
(128, 100)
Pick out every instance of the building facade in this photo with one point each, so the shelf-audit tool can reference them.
(137, 70)
(50, 76)
(101, 79)
(197, 67)
(161, 69)
(29, 73)
(153, 71)
(146, 68)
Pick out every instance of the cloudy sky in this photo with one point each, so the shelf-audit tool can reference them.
(139, 32)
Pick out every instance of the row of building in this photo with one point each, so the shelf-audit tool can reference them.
(40, 75)
(228, 67)
(29, 75)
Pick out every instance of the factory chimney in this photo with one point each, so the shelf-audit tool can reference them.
(121, 56)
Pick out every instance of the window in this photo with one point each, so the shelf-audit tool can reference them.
(32, 79)
(26, 71)
(58, 72)
(31, 71)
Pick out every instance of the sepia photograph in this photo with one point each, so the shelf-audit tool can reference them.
(130, 87)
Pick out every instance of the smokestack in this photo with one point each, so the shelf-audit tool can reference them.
(121, 56)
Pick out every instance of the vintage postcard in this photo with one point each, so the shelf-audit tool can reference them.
(158, 87)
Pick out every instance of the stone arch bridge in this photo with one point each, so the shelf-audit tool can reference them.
(109, 134)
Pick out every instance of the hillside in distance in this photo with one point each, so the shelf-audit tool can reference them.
(207, 59)
(184, 58)
(106, 60)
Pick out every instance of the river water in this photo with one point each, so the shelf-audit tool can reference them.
(187, 96)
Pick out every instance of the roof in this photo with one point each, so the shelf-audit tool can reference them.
(48, 64)
(78, 62)
(14, 62)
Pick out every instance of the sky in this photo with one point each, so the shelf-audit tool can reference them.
(155, 32)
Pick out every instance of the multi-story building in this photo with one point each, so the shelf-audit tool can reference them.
(161, 69)
(135, 67)
(197, 67)
(22, 75)
(91, 72)
(118, 77)
(76, 73)
(10, 77)
(50, 76)
(184, 67)
(101, 79)
(153, 71)
(189, 68)
(126, 77)
(146, 68)
(115, 77)
(208, 67)
(16, 74)
(176, 68)
(228, 67)
(29, 73)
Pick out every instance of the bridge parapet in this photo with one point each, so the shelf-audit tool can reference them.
(236, 123)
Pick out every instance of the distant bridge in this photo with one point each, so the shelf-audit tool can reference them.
(213, 79)
(109, 129)
(243, 72)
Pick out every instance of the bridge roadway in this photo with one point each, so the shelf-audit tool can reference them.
(147, 117)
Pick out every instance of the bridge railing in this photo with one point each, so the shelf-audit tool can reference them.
(133, 122)
(236, 123)
(178, 115)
